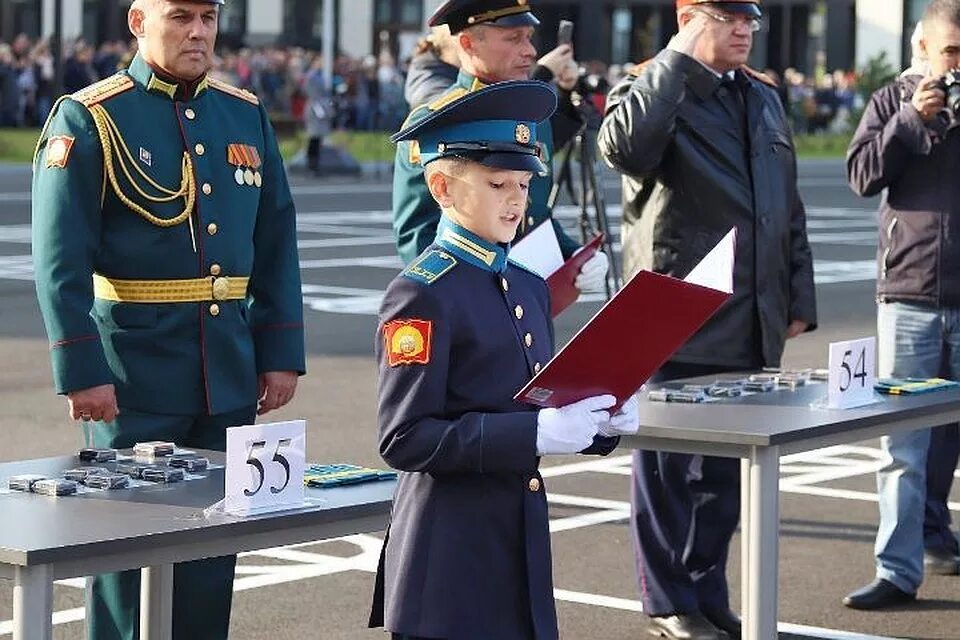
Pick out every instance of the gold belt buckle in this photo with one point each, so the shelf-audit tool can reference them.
(221, 288)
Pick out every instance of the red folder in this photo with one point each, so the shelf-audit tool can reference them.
(625, 342)
(563, 292)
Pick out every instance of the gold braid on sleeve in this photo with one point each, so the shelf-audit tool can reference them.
(116, 153)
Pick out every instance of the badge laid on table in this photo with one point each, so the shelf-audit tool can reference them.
(246, 159)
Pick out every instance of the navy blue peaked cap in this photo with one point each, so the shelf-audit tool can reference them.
(495, 126)
(460, 14)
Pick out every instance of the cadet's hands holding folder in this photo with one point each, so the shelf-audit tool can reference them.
(625, 422)
(571, 428)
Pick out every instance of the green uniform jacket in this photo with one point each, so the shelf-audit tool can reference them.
(415, 212)
(172, 357)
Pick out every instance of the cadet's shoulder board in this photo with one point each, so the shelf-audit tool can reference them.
(236, 92)
(429, 267)
(637, 69)
(759, 76)
(407, 341)
(103, 90)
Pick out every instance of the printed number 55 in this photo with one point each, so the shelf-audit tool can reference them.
(254, 462)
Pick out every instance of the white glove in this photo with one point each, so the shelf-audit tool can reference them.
(625, 422)
(571, 428)
(593, 273)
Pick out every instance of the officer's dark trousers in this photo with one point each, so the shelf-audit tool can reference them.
(941, 463)
(684, 510)
(202, 589)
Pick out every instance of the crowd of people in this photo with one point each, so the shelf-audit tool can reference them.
(367, 92)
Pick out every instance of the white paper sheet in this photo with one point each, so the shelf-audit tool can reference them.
(539, 251)
(716, 269)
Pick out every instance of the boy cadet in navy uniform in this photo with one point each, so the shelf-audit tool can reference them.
(167, 272)
(493, 41)
(462, 329)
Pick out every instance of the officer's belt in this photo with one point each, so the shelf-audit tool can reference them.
(159, 291)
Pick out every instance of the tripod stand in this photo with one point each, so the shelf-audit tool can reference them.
(588, 193)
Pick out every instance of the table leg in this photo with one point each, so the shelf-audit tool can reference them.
(764, 544)
(745, 539)
(33, 603)
(156, 602)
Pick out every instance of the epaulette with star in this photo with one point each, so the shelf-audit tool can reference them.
(430, 267)
(759, 76)
(103, 90)
(236, 92)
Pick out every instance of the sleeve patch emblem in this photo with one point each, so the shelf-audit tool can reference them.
(58, 151)
(407, 341)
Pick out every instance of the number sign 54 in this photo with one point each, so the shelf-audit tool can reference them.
(851, 373)
(265, 467)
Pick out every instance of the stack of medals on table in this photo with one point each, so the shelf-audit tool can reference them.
(152, 462)
(770, 379)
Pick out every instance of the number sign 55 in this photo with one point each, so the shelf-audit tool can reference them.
(851, 373)
(265, 467)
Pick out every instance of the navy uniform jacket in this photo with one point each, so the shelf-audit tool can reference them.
(176, 357)
(467, 555)
(416, 214)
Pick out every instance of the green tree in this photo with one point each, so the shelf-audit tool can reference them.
(874, 74)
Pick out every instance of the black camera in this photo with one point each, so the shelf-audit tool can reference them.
(950, 85)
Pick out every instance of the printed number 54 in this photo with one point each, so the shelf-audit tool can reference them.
(254, 462)
(859, 369)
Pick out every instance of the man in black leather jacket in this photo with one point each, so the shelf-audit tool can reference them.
(703, 145)
(907, 145)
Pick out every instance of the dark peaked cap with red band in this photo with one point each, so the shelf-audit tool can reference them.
(460, 14)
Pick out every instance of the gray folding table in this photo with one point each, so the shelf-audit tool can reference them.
(760, 428)
(43, 538)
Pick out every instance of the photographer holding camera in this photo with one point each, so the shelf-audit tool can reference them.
(908, 144)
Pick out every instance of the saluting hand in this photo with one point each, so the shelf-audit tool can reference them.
(276, 389)
(685, 41)
(928, 99)
(557, 60)
(94, 403)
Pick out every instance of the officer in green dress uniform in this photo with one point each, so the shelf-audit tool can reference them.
(164, 244)
(493, 39)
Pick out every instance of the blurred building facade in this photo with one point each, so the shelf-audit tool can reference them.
(809, 35)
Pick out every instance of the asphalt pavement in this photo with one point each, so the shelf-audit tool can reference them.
(322, 590)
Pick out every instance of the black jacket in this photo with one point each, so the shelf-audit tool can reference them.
(916, 165)
(691, 173)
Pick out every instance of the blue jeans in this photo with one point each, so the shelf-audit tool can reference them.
(920, 341)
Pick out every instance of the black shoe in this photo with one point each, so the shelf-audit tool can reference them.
(725, 620)
(878, 594)
(685, 626)
(939, 562)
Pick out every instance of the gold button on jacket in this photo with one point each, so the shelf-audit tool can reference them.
(534, 484)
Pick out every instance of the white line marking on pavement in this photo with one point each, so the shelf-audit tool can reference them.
(625, 604)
